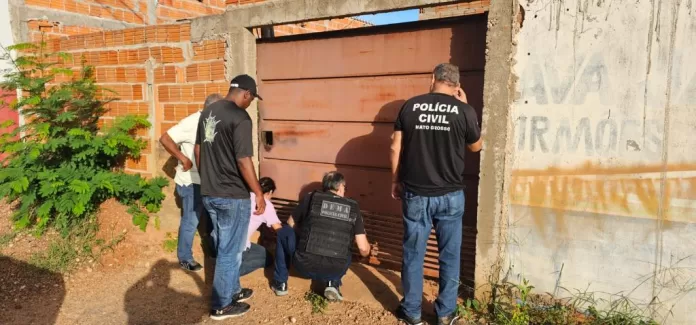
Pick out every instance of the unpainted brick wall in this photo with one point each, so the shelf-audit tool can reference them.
(155, 71)
(53, 29)
(458, 9)
(139, 12)
(318, 26)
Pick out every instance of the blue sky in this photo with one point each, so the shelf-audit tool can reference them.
(391, 17)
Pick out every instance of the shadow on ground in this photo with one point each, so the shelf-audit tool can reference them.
(152, 301)
(28, 294)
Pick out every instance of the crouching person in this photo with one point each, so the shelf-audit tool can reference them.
(318, 238)
(255, 256)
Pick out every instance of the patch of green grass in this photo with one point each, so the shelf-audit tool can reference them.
(60, 257)
(170, 243)
(7, 238)
(65, 253)
(318, 302)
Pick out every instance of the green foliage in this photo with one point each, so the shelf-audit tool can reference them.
(318, 302)
(7, 238)
(170, 243)
(470, 310)
(514, 304)
(514, 311)
(61, 166)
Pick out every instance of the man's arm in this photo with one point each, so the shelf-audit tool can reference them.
(246, 168)
(291, 222)
(197, 153)
(173, 149)
(473, 130)
(395, 155)
(476, 146)
(363, 245)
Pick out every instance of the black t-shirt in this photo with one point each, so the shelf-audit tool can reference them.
(435, 131)
(224, 134)
(316, 263)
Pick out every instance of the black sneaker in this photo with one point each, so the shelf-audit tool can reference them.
(191, 266)
(234, 309)
(332, 293)
(448, 320)
(243, 295)
(279, 288)
(401, 316)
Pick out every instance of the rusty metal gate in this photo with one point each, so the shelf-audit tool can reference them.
(330, 103)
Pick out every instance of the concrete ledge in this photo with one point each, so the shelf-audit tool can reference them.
(294, 11)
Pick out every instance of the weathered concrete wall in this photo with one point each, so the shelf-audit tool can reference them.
(603, 190)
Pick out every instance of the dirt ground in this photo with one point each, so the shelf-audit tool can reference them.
(140, 283)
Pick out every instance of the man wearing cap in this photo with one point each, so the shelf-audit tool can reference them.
(223, 153)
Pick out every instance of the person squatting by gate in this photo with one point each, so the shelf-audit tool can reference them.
(318, 238)
(179, 141)
(427, 158)
(255, 256)
(223, 153)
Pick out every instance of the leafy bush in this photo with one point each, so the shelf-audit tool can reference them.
(60, 166)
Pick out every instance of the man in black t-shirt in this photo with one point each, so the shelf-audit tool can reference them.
(318, 238)
(430, 138)
(223, 153)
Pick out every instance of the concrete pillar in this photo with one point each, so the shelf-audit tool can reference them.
(496, 157)
(240, 58)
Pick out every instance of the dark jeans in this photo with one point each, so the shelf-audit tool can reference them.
(230, 220)
(253, 258)
(191, 210)
(420, 215)
(285, 252)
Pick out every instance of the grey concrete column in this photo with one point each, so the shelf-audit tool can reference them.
(497, 133)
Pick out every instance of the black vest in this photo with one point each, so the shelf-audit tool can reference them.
(329, 227)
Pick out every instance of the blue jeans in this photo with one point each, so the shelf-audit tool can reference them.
(230, 219)
(254, 258)
(191, 210)
(286, 243)
(420, 215)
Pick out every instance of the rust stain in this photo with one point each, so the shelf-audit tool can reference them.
(631, 191)
(296, 133)
(590, 168)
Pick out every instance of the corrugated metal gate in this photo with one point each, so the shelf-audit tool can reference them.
(330, 103)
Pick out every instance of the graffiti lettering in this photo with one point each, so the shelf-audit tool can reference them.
(604, 138)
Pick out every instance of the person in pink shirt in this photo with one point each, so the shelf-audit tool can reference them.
(255, 256)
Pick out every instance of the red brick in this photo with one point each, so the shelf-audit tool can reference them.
(140, 164)
(120, 74)
(121, 108)
(165, 74)
(209, 71)
(209, 50)
(177, 112)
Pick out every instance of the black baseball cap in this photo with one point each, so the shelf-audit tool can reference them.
(246, 82)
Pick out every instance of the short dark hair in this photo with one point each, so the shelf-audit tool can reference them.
(332, 181)
(267, 185)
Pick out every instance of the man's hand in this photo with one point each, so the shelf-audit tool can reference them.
(397, 191)
(187, 163)
(460, 95)
(260, 205)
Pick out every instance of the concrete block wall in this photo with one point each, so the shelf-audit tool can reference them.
(603, 185)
